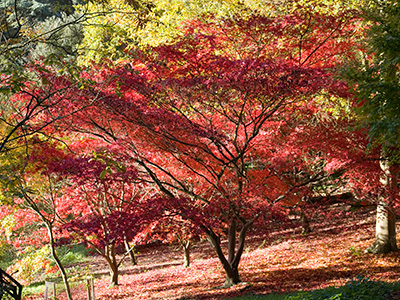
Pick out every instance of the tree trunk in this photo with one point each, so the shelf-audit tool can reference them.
(305, 222)
(385, 235)
(109, 255)
(114, 276)
(186, 253)
(230, 265)
(58, 261)
(232, 277)
(131, 252)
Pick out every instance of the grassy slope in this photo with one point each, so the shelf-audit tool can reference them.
(276, 263)
(359, 289)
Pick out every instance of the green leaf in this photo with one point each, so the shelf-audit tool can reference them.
(103, 174)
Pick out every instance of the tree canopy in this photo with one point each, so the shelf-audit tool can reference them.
(122, 119)
(376, 75)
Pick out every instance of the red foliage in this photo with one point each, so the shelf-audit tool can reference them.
(232, 122)
(107, 202)
(214, 118)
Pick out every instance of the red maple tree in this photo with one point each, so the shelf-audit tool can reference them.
(107, 201)
(207, 118)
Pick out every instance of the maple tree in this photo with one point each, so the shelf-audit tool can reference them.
(33, 96)
(172, 228)
(229, 122)
(91, 198)
(36, 195)
(109, 203)
(282, 262)
(204, 116)
(30, 49)
(32, 105)
(128, 25)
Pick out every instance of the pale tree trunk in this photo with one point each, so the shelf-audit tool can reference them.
(58, 261)
(385, 235)
(49, 223)
(131, 251)
(230, 265)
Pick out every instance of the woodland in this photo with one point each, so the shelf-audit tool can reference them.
(192, 149)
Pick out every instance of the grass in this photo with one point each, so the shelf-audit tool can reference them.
(73, 254)
(38, 288)
(359, 289)
(262, 297)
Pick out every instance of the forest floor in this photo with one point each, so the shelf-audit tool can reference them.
(281, 261)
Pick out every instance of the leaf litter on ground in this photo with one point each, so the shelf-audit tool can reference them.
(283, 261)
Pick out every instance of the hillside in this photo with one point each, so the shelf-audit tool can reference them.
(282, 261)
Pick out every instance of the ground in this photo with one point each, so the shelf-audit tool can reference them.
(282, 261)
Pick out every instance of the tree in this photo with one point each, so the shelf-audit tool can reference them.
(375, 79)
(31, 107)
(113, 204)
(25, 92)
(112, 28)
(127, 25)
(172, 228)
(26, 33)
(36, 196)
(376, 74)
(203, 116)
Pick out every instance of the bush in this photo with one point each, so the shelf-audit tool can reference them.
(37, 264)
(31, 265)
(73, 254)
(7, 255)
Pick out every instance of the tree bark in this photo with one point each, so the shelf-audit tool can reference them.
(385, 234)
(186, 254)
(114, 276)
(131, 252)
(232, 277)
(58, 261)
(109, 255)
(230, 265)
(114, 272)
(305, 222)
